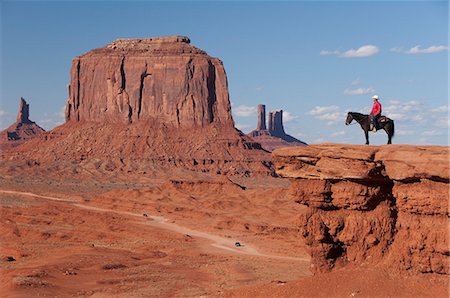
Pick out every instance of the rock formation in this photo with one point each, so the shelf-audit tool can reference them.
(261, 118)
(275, 136)
(147, 106)
(379, 206)
(20, 131)
(24, 112)
(165, 79)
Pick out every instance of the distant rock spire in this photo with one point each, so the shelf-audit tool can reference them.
(276, 123)
(273, 136)
(261, 117)
(24, 112)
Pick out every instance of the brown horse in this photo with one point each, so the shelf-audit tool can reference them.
(364, 121)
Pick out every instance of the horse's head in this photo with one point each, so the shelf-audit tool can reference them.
(349, 118)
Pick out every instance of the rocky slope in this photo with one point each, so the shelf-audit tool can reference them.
(379, 206)
(20, 131)
(273, 136)
(145, 106)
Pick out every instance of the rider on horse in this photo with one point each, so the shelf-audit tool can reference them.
(375, 113)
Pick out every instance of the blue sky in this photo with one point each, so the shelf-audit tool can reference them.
(314, 60)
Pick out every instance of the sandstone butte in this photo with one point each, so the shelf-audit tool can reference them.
(272, 136)
(384, 207)
(20, 131)
(139, 105)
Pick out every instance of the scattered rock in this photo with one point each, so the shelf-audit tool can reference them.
(9, 259)
(113, 266)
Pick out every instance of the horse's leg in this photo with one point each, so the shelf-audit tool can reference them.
(386, 128)
(366, 132)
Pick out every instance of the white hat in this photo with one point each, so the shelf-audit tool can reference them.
(375, 97)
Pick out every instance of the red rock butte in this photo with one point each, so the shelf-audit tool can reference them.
(162, 78)
(137, 105)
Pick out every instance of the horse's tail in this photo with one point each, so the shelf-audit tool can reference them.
(393, 128)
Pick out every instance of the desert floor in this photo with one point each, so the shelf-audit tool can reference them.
(163, 237)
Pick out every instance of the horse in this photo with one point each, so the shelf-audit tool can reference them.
(364, 121)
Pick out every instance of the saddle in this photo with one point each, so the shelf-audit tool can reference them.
(381, 120)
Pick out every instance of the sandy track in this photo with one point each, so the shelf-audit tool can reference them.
(222, 243)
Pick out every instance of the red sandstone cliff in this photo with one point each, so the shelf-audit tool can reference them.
(273, 136)
(379, 206)
(163, 78)
(147, 106)
(20, 131)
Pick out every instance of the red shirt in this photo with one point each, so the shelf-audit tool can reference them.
(376, 109)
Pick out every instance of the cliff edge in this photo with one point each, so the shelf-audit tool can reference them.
(380, 206)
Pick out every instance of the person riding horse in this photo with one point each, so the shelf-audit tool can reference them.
(375, 113)
(372, 122)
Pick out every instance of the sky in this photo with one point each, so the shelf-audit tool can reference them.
(314, 60)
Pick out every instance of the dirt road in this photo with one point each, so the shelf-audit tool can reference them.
(225, 244)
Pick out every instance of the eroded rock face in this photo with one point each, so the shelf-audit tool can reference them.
(146, 106)
(384, 206)
(22, 130)
(164, 79)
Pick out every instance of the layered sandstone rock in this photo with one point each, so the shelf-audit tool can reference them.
(274, 136)
(20, 131)
(164, 78)
(385, 206)
(146, 106)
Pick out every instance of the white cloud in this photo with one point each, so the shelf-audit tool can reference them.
(431, 133)
(61, 113)
(441, 109)
(329, 53)
(4, 113)
(287, 117)
(318, 140)
(405, 132)
(243, 127)
(444, 123)
(6, 119)
(318, 110)
(418, 50)
(328, 113)
(244, 111)
(364, 51)
(356, 82)
(359, 91)
(430, 50)
(405, 111)
(338, 133)
(49, 123)
(397, 50)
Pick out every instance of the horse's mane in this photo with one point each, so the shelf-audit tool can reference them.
(356, 115)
